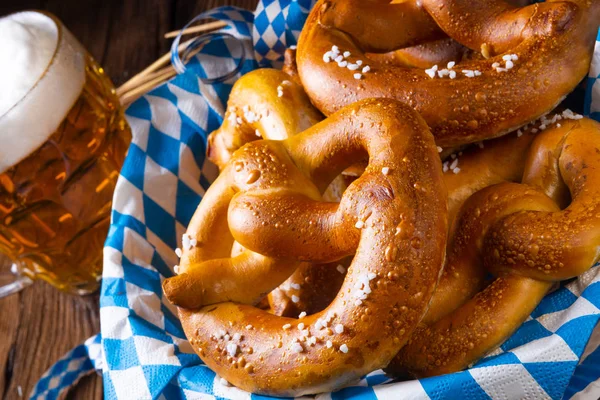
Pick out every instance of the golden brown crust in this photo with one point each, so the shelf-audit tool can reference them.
(265, 103)
(270, 357)
(553, 42)
(426, 55)
(521, 235)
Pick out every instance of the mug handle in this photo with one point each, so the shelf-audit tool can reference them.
(20, 283)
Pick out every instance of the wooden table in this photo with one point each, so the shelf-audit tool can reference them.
(40, 324)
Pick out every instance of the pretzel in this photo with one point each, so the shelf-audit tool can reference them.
(537, 55)
(498, 160)
(265, 103)
(522, 236)
(393, 217)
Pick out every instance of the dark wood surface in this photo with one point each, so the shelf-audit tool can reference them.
(40, 324)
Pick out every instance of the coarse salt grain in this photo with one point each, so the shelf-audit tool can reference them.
(456, 170)
(249, 327)
(346, 54)
(431, 71)
(286, 327)
(439, 149)
(339, 328)
(344, 348)
(329, 344)
(359, 224)
(295, 286)
(178, 252)
(186, 241)
(295, 298)
(232, 349)
(302, 314)
(450, 65)
(340, 268)
(385, 170)
(301, 325)
(343, 64)
(357, 76)
(297, 348)
(352, 67)
(366, 69)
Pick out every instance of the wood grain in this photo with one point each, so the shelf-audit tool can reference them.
(40, 324)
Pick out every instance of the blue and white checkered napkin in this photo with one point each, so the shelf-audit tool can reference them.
(554, 354)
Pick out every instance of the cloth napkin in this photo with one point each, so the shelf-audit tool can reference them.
(142, 351)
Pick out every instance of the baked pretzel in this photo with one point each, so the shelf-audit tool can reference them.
(521, 235)
(537, 55)
(498, 160)
(393, 217)
(265, 103)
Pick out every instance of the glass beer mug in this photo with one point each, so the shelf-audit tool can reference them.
(63, 139)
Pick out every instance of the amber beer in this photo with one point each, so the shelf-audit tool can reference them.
(62, 145)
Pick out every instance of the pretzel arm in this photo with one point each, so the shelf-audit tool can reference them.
(265, 103)
(320, 233)
(381, 25)
(496, 23)
(556, 246)
(463, 276)
(471, 331)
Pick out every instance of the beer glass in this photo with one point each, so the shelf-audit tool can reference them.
(62, 144)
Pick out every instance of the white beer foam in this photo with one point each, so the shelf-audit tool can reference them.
(32, 108)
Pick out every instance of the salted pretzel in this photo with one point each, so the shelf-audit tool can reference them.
(535, 56)
(393, 218)
(498, 160)
(528, 235)
(265, 103)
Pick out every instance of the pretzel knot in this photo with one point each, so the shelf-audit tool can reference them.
(528, 235)
(268, 197)
(532, 57)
